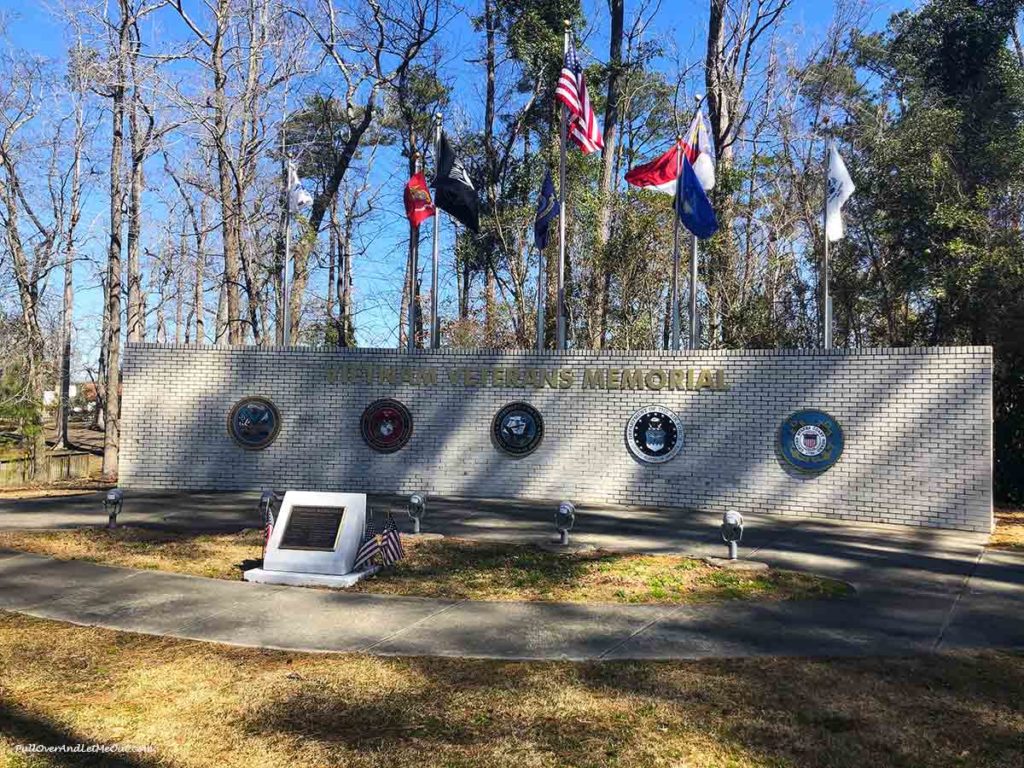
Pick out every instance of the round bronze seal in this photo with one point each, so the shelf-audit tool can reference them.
(518, 429)
(386, 425)
(254, 423)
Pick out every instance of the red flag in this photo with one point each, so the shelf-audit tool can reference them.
(418, 205)
(659, 175)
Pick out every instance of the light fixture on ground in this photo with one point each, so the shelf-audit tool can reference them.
(564, 519)
(732, 531)
(417, 509)
(112, 504)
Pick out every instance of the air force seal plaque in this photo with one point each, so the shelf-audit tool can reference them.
(811, 440)
(386, 425)
(654, 435)
(518, 429)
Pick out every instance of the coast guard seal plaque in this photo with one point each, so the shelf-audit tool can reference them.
(386, 425)
(254, 423)
(654, 435)
(518, 429)
(811, 440)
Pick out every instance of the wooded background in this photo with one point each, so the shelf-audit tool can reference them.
(144, 164)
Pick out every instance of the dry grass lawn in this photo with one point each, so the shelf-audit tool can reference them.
(1009, 529)
(448, 568)
(199, 705)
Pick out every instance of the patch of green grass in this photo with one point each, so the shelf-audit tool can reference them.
(488, 571)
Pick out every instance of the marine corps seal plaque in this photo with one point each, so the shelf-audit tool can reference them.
(518, 429)
(654, 435)
(386, 425)
(811, 440)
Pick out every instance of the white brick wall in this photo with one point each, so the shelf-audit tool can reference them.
(917, 423)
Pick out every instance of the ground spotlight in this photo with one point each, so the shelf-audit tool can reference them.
(564, 519)
(417, 509)
(732, 531)
(112, 504)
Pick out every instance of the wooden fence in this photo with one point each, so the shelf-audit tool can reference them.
(54, 469)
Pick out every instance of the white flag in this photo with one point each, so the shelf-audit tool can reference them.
(298, 197)
(840, 187)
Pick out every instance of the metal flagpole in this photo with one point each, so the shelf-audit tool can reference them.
(694, 327)
(826, 297)
(540, 299)
(286, 331)
(435, 321)
(560, 309)
(694, 254)
(414, 248)
(675, 252)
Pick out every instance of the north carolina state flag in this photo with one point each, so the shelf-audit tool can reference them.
(418, 205)
(660, 174)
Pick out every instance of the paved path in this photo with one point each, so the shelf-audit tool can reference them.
(917, 590)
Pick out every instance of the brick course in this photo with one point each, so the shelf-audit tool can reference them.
(917, 423)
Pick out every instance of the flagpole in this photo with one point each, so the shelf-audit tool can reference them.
(286, 331)
(694, 254)
(414, 248)
(826, 296)
(675, 252)
(560, 309)
(435, 321)
(540, 299)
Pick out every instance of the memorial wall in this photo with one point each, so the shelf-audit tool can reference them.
(898, 436)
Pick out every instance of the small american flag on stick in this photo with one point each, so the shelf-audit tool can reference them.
(572, 92)
(370, 548)
(391, 545)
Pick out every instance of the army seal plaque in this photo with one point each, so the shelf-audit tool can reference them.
(518, 429)
(654, 435)
(386, 425)
(254, 423)
(811, 440)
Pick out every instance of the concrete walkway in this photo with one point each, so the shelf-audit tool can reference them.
(917, 590)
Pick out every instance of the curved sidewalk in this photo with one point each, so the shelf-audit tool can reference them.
(979, 608)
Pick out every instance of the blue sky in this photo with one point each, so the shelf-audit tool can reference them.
(680, 23)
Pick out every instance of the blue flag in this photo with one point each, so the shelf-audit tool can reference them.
(692, 204)
(547, 209)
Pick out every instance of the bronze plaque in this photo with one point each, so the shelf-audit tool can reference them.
(313, 528)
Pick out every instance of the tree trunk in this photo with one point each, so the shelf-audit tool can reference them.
(112, 404)
(600, 274)
(229, 214)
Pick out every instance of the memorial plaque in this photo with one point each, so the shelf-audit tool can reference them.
(313, 528)
(254, 423)
(518, 429)
(386, 425)
(654, 435)
(811, 440)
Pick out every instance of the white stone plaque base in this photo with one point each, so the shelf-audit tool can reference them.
(293, 579)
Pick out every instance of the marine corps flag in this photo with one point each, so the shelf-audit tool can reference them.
(418, 206)
(453, 189)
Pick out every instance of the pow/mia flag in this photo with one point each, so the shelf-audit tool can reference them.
(453, 190)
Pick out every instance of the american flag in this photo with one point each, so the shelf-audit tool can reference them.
(572, 92)
(371, 546)
(391, 545)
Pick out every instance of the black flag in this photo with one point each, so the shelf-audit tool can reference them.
(453, 191)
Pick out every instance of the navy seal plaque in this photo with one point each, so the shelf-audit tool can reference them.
(386, 425)
(654, 435)
(254, 423)
(811, 440)
(518, 429)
